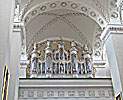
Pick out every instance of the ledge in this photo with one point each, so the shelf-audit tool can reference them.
(66, 82)
(110, 29)
(99, 62)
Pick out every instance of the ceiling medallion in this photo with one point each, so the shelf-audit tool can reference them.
(43, 8)
(63, 4)
(100, 30)
(84, 9)
(74, 5)
(26, 19)
(97, 53)
(101, 21)
(114, 15)
(93, 14)
(97, 45)
(34, 12)
(53, 5)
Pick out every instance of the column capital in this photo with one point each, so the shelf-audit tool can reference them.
(111, 29)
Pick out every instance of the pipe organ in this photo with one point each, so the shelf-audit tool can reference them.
(60, 60)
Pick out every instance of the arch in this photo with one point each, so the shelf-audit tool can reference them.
(53, 21)
(69, 5)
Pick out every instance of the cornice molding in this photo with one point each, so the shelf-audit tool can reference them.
(65, 83)
(111, 29)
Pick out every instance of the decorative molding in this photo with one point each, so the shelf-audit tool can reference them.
(101, 93)
(71, 93)
(50, 93)
(39, 94)
(65, 83)
(61, 94)
(91, 93)
(24, 62)
(98, 45)
(81, 93)
(17, 27)
(36, 93)
(30, 93)
(111, 29)
(114, 12)
(72, 5)
(23, 11)
(65, 88)
(102, 10)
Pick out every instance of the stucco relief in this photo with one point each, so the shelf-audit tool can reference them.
(98, 45)
(66, 92)
(76, 6)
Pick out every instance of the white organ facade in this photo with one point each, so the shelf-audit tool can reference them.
(62, 62)
(61, 49)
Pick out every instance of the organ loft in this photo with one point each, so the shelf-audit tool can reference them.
(61, 49)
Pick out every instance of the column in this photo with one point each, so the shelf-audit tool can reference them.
(15, 54)
(113, 38)
(6, 24)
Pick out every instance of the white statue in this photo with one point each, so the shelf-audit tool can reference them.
(73, 44)
(35, 46)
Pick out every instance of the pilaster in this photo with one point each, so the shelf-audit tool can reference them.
(15, 54)
(113, 38)
(6, 25)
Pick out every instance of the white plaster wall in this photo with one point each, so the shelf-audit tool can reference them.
(6, 24)
(22, 73)
(118, 46)
(100, 72)
(114, 58)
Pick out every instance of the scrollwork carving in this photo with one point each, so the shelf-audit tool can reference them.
(50, 93)
(30, 93)
(33, 93)
(61, 93)
(39, 94)
(101, 93)
(71, 93)
(91, 93)
(21, 94)
(81, 93)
